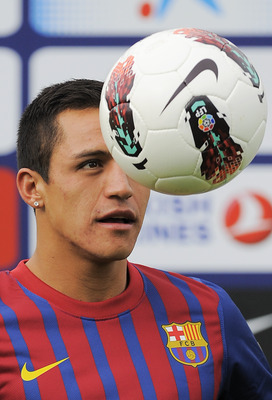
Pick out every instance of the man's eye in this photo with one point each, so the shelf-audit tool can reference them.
(92, 164)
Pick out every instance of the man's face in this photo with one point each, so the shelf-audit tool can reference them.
(90, 206)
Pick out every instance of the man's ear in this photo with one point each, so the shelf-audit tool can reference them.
(29, 183)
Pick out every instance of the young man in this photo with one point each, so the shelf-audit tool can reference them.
(77, 321)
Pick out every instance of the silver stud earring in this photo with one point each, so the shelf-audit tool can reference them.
(36, 204)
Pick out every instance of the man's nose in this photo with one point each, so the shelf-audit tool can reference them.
(117, 184)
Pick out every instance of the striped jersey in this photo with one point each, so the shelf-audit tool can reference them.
(165, 337)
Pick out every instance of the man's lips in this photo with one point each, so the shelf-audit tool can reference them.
(126, 217)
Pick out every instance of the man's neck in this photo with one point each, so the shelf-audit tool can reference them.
(81, 279)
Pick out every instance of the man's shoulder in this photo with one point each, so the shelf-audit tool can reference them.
(8, 288)
(8, 284)
(5, 277)
(185, 283)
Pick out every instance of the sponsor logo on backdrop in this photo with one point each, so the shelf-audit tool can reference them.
(147, 9)
(248, 218)
(177, 219)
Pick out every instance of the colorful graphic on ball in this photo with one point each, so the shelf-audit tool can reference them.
(206, 122)
(225, 45)
(221, 156)
(120, 114)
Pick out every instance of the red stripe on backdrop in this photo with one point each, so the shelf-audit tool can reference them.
(175, 304)
(119, 359)
(9, 217)
(80, 355)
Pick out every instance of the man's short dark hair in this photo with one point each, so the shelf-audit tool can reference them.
(38, 130)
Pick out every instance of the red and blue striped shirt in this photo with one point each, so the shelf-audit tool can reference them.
(165, 337)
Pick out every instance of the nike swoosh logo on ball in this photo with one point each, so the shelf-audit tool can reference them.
(203, 65)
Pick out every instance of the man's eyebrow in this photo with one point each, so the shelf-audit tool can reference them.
(86, 154)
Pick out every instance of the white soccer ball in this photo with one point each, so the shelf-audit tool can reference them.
(183, 111)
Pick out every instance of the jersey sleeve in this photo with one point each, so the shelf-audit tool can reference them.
(246, 372)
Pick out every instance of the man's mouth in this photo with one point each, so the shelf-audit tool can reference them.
(125, 217)
(116, 220)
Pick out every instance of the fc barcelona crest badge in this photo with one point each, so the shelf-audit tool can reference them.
(186, 343)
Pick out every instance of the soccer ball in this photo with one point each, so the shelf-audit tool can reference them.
(183, 111)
